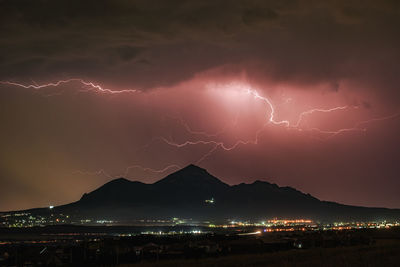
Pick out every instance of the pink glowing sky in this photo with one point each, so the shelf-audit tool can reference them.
(301, 94)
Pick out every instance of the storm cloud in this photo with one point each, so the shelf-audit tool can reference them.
(189, 61)
(147, 44)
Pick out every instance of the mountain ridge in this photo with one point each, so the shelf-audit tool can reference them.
(187, 193)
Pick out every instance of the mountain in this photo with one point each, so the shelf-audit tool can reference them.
(194, 193)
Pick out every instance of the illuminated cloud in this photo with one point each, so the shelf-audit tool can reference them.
(302, 93)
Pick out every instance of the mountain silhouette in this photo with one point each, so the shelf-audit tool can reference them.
(194, 193)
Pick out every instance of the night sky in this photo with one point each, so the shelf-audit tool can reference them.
(299, 93)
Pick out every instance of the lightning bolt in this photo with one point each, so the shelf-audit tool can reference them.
(162, 170)
(99, 172)
(286, 123)
(357, 126)
(91, 85)
(126, 173)
(309, 112)
(202, 133)
(270, 119)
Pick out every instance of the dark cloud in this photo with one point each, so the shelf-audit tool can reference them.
(322, 53)
(108, 41)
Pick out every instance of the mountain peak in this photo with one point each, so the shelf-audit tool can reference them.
(192, 176)
(192, 167)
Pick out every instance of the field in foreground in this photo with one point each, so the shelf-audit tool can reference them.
(383, 253)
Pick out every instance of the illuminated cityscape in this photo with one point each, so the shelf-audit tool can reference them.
(26, 219)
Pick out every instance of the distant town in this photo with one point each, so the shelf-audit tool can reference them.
(26, 219)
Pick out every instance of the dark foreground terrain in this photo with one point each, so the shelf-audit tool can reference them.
(383, 253)
(112, 246)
